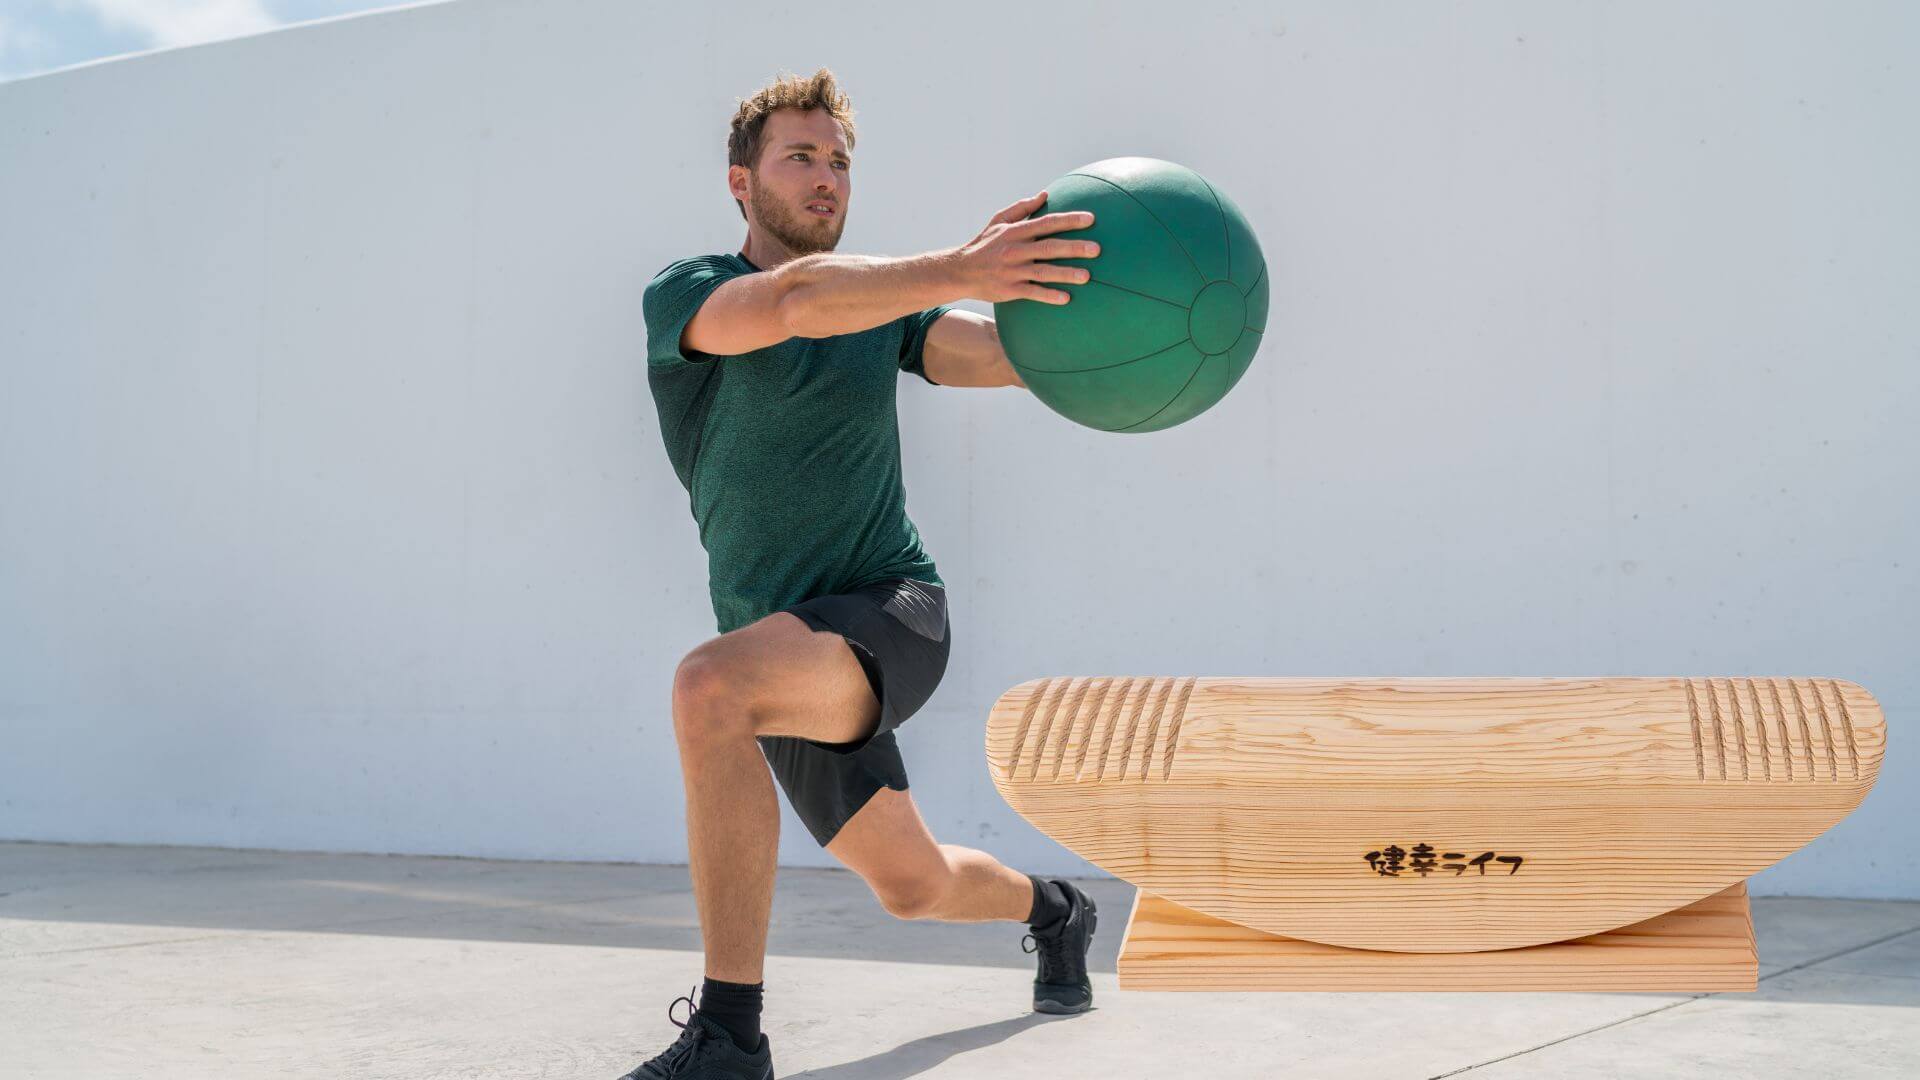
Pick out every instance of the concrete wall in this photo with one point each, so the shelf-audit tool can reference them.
(333, 512)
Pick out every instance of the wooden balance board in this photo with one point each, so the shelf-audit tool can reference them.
(1434, 815)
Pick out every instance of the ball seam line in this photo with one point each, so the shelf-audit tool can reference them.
(1174, 236)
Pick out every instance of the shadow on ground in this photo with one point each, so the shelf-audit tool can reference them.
(923, 1054)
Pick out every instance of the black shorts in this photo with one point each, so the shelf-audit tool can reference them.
(899, 631)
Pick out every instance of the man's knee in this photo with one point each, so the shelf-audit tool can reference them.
(711, 696)
(913, 897)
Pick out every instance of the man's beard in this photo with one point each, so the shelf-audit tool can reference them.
(798, 231)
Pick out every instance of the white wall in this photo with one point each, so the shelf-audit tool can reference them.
(333, 512)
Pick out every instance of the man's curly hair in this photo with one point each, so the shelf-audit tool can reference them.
(818, 91)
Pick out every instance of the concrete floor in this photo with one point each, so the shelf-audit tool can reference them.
(193, 962)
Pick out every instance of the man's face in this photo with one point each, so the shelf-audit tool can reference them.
(804, 165)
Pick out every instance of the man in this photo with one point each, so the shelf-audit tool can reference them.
(774, 372)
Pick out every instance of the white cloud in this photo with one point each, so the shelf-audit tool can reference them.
(181, 22)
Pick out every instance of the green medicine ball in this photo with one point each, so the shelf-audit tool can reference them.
(1172, 314)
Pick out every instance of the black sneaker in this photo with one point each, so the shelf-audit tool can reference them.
(705, 1051)
(1062, 985)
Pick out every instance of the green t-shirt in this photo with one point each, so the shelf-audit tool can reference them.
(790, 454)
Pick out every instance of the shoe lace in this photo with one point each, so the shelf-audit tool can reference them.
(691, 1034)
(1052, 949)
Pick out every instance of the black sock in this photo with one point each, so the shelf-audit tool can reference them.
(1049, 903)
(736, 1006)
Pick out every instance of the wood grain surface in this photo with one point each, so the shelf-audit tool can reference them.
(1705, 947)
(1434, 815)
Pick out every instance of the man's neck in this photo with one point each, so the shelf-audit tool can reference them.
(764, 254)
(764, 251)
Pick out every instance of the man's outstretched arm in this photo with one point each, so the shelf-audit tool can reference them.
(963, 349)
(826, 294)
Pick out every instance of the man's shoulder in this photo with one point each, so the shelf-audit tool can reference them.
(682, 285)
(700, 266)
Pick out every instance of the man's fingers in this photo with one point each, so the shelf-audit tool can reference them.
(1010, 213)
(1046, 271)
(1053, 223)
(1018, 210)
(1045, 296)
(1063, 249)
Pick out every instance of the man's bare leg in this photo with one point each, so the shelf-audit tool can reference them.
(780, 677)
(733, 833)
(776, 676)
(888, 844)
(914, 877)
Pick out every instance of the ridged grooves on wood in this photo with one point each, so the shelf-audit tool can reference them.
(1780, 711)
(1760, 725)
(1082, 728)
(1826, 730)
(1050, 716)
(1104, 717)
(1153, 725)
(1739, 730)
(1065, 726)
(1085, 737)
(1699, 751)
(1846, 721)
(1719, 736)
(1806, 731)
(1106, 735)
(1808, 708)
(1173, 731)
(1026, 722)
(1133, 725)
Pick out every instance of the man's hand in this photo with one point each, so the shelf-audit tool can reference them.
(1006, 261)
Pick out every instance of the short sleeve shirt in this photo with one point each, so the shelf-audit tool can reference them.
(790, 454)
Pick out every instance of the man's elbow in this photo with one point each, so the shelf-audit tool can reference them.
(797, 314)
(796, 301)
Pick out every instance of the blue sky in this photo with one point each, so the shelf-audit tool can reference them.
(41, 35)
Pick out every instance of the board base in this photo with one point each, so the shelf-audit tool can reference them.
(1705, 947)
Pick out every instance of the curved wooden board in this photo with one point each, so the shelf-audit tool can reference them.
(1434, 815)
